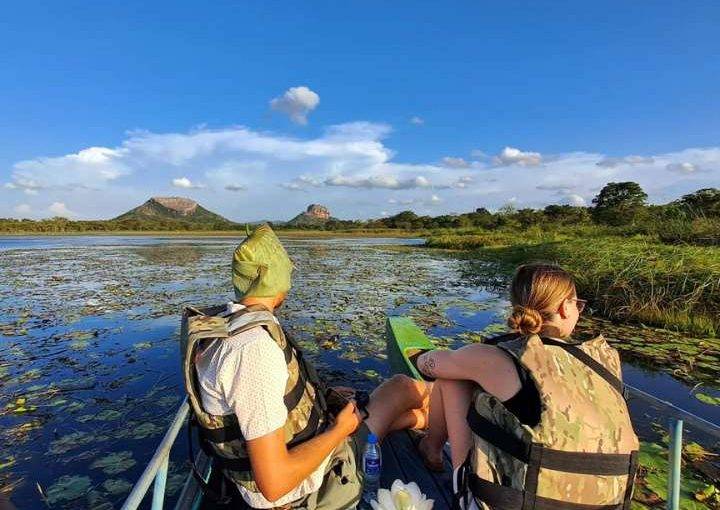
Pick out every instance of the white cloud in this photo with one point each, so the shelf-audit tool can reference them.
(626, 160)
(452, 162)
(683, 168)
(184, 182)
(59, 209)
(512, 156)
(234, 187)
(418, 121)
(573, 199)
(297, 103)
(463, 182)
(421, 201)
(22, 209)
(292, 186)
(350, 164)
(378, 181)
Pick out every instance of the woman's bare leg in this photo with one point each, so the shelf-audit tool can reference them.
(449, 405)
(397, 404)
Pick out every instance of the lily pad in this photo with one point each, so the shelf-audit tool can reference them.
(70, 442)
(117, 486)
(144, 430)
(655, 468)
(108, 415)
(708, 399)
(114, 463)
(68, 488)
(7, 462)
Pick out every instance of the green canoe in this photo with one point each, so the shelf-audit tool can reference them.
(404, 338)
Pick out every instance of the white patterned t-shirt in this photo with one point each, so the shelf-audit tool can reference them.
(246, 374)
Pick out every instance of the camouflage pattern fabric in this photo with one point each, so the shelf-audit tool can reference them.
(581, 412)
(261, 266)
(196, 328)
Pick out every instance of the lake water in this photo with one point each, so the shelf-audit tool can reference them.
(89, 362)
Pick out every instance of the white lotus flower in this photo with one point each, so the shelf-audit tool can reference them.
(402, 497)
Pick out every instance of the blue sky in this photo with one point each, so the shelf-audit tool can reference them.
(379, 108)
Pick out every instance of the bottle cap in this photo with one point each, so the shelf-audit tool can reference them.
(372, 438)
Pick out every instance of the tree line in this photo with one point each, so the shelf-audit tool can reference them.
(621, 205)
(694, 217)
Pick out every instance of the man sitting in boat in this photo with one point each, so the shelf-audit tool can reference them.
(548, 426)
(261, 409)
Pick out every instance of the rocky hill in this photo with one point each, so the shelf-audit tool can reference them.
(174, 209)
(315, 215)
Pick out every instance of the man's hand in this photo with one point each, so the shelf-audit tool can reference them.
(278, 470)
(348, 420)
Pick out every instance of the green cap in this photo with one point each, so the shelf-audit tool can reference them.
(261, 266)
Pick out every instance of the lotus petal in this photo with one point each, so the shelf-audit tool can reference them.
(385, 499)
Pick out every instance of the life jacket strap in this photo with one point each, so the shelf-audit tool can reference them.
(499, 497)
(586, 463)
(591, 363)
(221, 435)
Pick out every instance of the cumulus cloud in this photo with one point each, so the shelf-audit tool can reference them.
(184, 182)
(683, 168)
(350, 164)
(59, 209)
(573, 199)
(378, 181)
(297, 103)
(463, 182)
(626, 160)
(512, 156)
(452, 162)
(421, 201)
(418, 121)
(292, 186)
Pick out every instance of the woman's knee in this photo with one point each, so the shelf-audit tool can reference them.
(409, 387)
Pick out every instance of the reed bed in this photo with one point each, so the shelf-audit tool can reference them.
(634, 279)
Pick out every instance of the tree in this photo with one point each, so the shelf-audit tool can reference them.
(703, 202)
(619, 203)
(566, 214)
(402, 220)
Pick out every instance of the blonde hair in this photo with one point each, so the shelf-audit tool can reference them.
(536, 293)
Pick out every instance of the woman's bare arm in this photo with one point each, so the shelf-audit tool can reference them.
(487, 365)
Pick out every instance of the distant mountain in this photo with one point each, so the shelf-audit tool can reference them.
(316, 215)
(174, 209)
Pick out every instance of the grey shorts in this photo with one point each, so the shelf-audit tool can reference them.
(342, 485)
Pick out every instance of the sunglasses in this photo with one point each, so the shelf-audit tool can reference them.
(580, 303)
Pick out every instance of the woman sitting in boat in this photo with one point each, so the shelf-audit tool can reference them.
(261, 409)
(547, 426)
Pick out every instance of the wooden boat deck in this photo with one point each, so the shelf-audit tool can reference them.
(401, 460)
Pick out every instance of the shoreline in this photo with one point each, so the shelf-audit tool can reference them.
(390, 233)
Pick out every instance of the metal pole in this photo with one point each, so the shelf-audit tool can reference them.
(675, 475)
(159, 459)
(159, 487)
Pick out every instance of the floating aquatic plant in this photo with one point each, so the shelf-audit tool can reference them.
(115, 463)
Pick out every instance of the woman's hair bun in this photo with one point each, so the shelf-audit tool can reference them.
(525, 320)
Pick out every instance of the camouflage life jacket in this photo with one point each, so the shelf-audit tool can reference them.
(582, 455)
(220, 435)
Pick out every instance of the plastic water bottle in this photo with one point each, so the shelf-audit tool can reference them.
(372, 464)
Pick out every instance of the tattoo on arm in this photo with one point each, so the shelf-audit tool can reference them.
(428, 366)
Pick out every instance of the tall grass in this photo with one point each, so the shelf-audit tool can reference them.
(636, 279)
